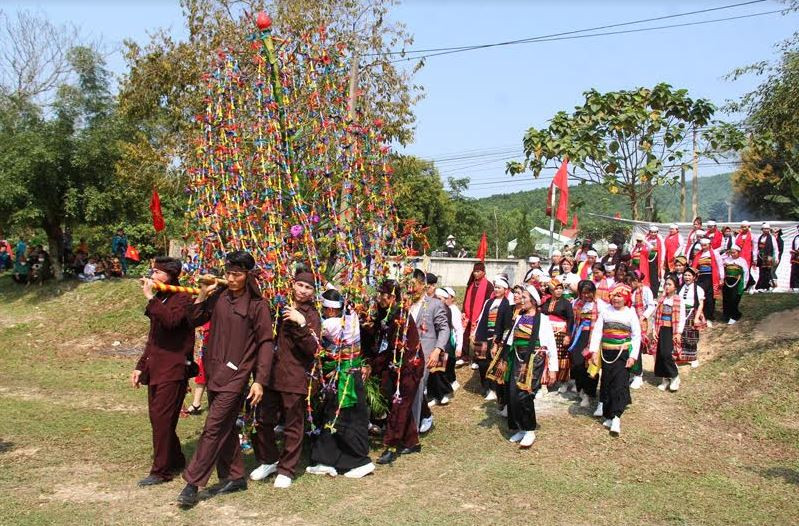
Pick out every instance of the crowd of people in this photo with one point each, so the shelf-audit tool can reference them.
(32, 264)
(580, 326)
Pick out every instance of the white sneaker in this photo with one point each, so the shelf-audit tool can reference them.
(584, 401)
(459, 362)
(361, 471)
(709, 324)
(517, 437)
(664, 384)
(432, 403)
(599, 410)
(455, 386)
(731, 322)
(263, 471)
(444, 400)
(528, 439)
(615, 426)
(563, 388)
(321, 469)
(607, 423)
(426, 424)
(675, 384)
(695, 364)
(474, 366)
(503, 412)
(491, 395)
(279, 429)
(637, 382)
(282, 481)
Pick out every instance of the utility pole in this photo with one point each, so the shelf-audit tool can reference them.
(496, 229)
(729, 211)
(682, 194)
(695, 179)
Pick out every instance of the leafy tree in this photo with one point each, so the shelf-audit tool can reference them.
(630, 142)
(524, 244)
(164, 87)
(420, 196)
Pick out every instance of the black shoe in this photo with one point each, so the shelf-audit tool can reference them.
(232, 486)
(188, 497)
(388, 456)
(152, 480)
(413, 449)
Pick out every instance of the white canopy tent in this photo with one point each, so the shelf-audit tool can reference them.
(789, 230)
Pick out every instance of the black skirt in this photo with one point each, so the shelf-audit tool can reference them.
(348, 447)
(614, 390)
(579, 373)
(665, 366)
(521, 403)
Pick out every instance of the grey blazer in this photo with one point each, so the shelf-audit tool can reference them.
(432, 325)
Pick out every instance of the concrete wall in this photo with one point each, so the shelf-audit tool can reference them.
(454, 272)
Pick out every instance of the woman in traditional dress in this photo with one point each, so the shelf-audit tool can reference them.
(529, 359)
(342, 446)
(692, 297)
(667, 334)
(736, 275)
(615, 343)
(495, 319)
(561, 316)
(586, 312)
(602, 282)
(569, 278)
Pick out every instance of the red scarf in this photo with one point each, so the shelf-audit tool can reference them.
(715, 238)
(643, 261)
(675, 321)
(672, 246)
(475, 296)
(745, 242)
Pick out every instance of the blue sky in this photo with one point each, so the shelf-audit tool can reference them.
(483, 101)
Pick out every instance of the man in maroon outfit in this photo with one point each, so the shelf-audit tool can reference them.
(391, 336)
(298, 333)
(478, 290)
(240, 345)
(162, 367)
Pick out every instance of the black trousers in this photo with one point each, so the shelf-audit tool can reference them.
(654, 279)
(794, 276)
(579, 371)
(706, 282)
(764, 278)
(614, 390)
(730, 302)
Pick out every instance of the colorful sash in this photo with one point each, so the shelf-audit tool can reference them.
(616, 336)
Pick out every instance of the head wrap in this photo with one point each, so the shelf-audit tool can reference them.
(735, 247)
(533, 294)
(704, 241)
(557, 253)
(620, 289)
(653, 228)
(170, 266)
(765, 225)
(441, 293)
(612, 246)
(638, 237)
(533, 259)
(681, 259)
(305, 277)
(700, 233)
(450, 291)
(674, 226)
(592, 253)
(744, 223)
(555, 283)
(500, 281)
(711, 223)
(691, 271)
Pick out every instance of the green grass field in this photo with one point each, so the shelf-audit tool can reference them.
(75, 438)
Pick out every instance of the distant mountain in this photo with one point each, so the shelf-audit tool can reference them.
(713, 192)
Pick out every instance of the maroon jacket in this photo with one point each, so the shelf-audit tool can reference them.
(170, 343)
(241, 341)
(296, 347)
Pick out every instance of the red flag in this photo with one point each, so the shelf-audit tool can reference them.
(155, 208)
(574, 222)
(482, 248)
(561, 182)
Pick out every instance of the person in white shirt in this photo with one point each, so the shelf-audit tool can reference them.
(615, 342)
(644, 305)
(667, 334)
(736, 275)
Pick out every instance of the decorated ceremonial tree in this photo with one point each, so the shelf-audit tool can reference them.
(290, 167)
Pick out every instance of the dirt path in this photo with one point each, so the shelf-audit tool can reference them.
(779, 326)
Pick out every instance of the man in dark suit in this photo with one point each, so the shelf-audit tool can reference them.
(240, 345)
(162, 367)
(298, 333)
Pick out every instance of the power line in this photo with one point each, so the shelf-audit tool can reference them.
(530, 39)
(577, 36)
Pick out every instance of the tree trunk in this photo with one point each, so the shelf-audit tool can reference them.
(634, 205)
(55, 242)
